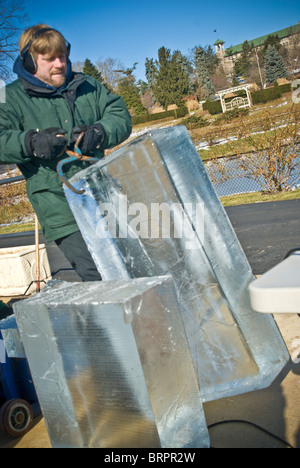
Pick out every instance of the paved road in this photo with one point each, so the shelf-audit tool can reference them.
(266, 231)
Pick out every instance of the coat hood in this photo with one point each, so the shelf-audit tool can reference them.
(35, 82)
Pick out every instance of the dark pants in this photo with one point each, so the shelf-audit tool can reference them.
(75, 250)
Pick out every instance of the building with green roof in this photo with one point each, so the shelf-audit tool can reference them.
(283, 35)
(230, 54)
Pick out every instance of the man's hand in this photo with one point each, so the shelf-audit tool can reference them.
(93, 137)
(47, 144)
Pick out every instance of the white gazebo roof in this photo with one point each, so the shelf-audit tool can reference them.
(234, 89)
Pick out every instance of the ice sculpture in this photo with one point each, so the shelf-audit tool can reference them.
(150, 209)
(111, 364)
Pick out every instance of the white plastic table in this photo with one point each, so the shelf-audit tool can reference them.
(278, 290)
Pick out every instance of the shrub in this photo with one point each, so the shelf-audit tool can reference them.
(213, 107)
(180, 112)
(233, 114)
(194, 122)
(274, 163)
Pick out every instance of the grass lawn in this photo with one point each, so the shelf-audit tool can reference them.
(14, 228)
(258, 197)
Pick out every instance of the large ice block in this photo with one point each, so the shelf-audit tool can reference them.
(111, 365)
(150, 209)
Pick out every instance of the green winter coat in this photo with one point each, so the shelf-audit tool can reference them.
(84, 101)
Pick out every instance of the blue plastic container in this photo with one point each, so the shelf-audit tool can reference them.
(18, 399)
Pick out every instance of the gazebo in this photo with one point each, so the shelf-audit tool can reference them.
(237, 101)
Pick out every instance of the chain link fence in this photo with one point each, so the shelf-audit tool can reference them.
(237, 174)
(245, 174)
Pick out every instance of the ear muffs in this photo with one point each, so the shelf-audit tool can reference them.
(27, 58)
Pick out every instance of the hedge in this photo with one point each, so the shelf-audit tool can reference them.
(213, 107)
(176, 113)
(265, 95)
(286, 88)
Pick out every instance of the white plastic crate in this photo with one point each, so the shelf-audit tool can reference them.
(18, 270)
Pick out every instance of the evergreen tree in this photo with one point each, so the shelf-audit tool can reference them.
(142, 86)
(271, 40)
(162, 85)
(274, 65)
(206, 87)
(130, 92)
(208, 56)
(171, 82)
(186, 69)
(151, 73)
(243, 63)
(90, 69)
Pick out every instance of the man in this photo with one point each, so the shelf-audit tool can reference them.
(46, 110)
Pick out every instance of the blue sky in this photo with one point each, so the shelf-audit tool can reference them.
(131, 30)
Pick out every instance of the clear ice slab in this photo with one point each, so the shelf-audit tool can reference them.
(150, 209)
(111, 365)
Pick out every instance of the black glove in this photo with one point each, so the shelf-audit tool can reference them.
(46, 144)
(93, 137)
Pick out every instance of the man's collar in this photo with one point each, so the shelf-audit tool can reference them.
(37, 91)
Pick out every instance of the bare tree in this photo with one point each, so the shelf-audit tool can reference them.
(108, 69)
(11, 18)
(290, 54)
(275, 162)
(77, 66)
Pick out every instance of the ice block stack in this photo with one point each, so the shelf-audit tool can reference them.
(129, 361)
(111, 365)
(150, 209)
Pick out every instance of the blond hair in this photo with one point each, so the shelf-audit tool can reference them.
(49, 42)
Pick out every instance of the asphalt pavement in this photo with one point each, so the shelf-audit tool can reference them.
(266, 231)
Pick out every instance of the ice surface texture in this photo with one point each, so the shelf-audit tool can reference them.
(11, 337)
(234, 349)
(111, 365)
